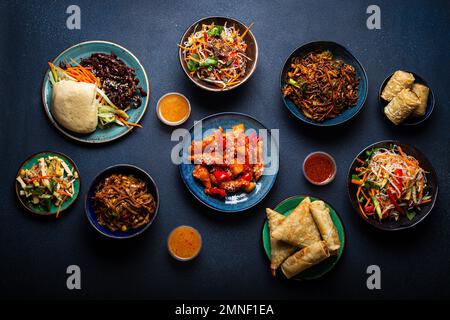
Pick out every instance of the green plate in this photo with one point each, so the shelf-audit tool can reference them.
(285, 208)
(27, 164)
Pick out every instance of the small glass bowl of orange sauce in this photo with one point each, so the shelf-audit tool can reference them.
(173, 108)
(184, 243)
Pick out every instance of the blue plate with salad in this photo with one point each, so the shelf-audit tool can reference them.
(392, 185)
(95, 92)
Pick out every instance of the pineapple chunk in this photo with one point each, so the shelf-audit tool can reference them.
(249, 187)
(236, 169)
(237, 129)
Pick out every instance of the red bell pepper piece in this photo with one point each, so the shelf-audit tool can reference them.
(369, 209)
(393, 198)
(222, 176)
(205, 36)
(217, 192)
(399, 181)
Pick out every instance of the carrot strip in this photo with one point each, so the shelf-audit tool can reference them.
(245, 32)
(362, 211)
(59, 207)
(41, 178)
(357, 182)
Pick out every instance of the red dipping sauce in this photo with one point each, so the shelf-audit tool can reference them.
(319, 168)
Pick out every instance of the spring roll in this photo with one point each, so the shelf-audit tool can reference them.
(298, 228)
(321, 215)
(305, 258)
(400, 80)
(402, 106)
(280, 250)
(422, 92)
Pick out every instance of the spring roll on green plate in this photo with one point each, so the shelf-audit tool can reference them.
(305, 258)
(298, 229)
(321, 215)
(280, 250)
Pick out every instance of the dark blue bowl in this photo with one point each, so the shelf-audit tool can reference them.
(125, 169)
(409, 121)
(339, 52)
(241, 200)
(403, 222)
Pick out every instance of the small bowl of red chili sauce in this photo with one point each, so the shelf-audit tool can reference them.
(319, 168)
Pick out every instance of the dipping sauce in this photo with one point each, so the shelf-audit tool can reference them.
(184, 243)
(319, 168)
(173, 108)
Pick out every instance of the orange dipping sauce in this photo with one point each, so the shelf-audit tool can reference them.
(184, 243)
(173, 108)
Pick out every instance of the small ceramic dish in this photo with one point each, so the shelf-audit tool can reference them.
(323, 159)
(168, 122)
(410, 121)
(176, 238)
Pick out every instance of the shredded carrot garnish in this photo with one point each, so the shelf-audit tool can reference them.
(245, 32)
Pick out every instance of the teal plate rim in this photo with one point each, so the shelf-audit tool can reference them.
(45, 152)
(337, 258)
(71, 135)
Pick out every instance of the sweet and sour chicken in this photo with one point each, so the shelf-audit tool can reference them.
(227, 162)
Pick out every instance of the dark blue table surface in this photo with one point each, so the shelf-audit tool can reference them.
(34, 253)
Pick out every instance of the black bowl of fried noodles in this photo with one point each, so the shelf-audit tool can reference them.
(122, 201)
(323, 84)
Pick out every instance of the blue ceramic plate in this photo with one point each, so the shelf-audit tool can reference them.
(410, 121)
(239, 201)
(125, 169)
(85, 50)
(339, 52)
